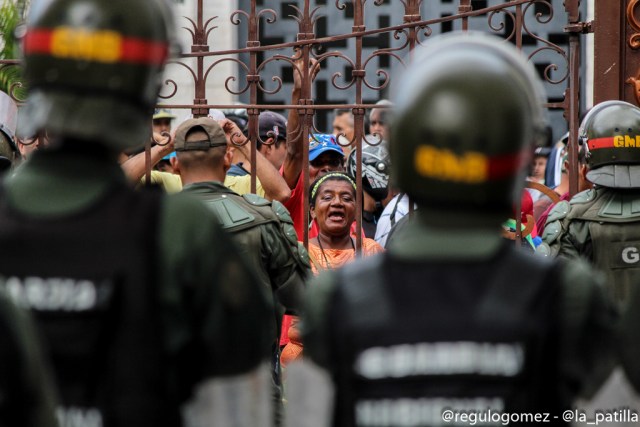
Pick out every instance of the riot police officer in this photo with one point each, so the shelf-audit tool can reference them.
(140, 299)
(602, 224)
(453, 320)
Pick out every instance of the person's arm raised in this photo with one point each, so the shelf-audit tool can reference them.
(135, 166)
(292, 166)
(274, 185)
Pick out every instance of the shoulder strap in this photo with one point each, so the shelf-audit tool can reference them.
(392, 217)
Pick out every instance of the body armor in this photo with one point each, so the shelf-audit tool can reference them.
(96, 304)
(442, 343)
(603, 226)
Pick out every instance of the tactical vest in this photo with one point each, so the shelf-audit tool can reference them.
(90, 281)
(613, 218)
(413, 340)
(243, 215)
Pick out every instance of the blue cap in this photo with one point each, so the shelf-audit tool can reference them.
(169, 156)
(322, 142)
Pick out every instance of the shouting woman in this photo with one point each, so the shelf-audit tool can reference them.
(332, 202)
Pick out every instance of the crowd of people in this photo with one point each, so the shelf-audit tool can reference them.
(195, 280)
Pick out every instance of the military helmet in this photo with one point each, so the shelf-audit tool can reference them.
(610, 132)
(468, 109)
(94, 68)
(376, 166)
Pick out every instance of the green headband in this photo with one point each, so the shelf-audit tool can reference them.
(321, 180)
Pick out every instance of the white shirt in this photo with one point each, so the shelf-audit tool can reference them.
(384, 223)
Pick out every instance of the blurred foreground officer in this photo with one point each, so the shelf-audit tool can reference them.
(26, 395)
(602, 225)
(141, 300)
(453, 317)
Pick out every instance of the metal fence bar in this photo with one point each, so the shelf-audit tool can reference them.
(412, 31)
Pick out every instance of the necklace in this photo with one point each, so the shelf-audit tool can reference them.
(326, 260)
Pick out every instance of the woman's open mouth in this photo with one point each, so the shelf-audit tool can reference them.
(336, 216)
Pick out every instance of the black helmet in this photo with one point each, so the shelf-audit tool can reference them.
(94, 68)
(611, 134)
(468, 110)
(376, 165)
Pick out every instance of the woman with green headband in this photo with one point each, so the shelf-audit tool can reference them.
(332, 203)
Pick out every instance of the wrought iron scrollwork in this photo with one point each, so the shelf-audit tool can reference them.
(634, 40)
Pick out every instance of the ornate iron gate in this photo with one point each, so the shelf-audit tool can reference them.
(521, 22)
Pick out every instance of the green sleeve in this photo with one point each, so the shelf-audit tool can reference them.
(565, 235)
(287, 268)
(576, 241)
(31, 398)
(587, 337)
(215, 310)
(316, 327)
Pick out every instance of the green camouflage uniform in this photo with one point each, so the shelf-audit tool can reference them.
(601, 225)
(265, 235)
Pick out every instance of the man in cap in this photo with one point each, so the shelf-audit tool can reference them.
(273, 137)
(453, 320)
(271, 142)
(162, 120)
(269, 182)
(139, 298)
(263, 229)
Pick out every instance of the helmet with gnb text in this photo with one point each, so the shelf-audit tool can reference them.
(611, 134)
(468, 110)
(94, 68)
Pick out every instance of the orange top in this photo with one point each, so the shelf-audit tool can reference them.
(338, 257)
(331, 258)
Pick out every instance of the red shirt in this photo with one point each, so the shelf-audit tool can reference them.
(542, 221)
(295, 205)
